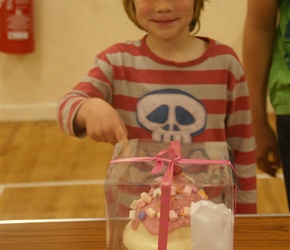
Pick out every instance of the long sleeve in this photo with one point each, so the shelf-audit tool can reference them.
(241, 139)
(96, 84)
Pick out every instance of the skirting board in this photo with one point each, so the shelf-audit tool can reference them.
(28, 112)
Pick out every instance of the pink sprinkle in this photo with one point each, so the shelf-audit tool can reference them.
(194, 189)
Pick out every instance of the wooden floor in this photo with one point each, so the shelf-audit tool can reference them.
(48, 175)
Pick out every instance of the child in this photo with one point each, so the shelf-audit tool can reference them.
(170, 85)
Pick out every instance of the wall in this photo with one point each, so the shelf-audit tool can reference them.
(69, 33)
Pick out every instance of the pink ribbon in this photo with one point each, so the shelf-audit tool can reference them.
(174, 151)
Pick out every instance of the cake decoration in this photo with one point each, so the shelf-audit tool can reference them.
(183, 193)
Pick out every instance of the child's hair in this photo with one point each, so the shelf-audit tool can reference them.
(195, 23)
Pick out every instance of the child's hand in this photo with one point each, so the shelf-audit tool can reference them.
(100, 121)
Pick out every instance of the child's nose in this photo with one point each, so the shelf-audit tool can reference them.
(164, 5)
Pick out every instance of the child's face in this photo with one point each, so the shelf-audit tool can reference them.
(164, 19)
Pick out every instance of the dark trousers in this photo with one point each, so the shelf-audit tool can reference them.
(283, 130)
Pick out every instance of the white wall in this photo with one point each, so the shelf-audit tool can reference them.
(69, 33)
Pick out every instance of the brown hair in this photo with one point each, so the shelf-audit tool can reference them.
(195, 23)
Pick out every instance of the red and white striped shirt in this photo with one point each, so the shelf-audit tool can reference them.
(205, 99)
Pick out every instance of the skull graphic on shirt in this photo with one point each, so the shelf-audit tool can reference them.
(171, 114)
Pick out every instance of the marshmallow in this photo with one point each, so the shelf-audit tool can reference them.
(190, 179)
(173, 191)
(145, 197)
(158, 180)
(140, 203)
(132, 214)
(133, 205)
(186, 211)
(157, 192)
(172, 215)
(187, 190)
(151, 212)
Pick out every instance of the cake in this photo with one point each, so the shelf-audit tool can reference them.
(142, 230)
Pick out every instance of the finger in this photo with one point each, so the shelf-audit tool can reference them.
(98, 138)
(121, 132)
(121, 136)
(125, 129)
(276, 159)
(114, 137)
(266, 167)
(100, 135)
(111, 137)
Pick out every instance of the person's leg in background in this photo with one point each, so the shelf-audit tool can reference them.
(283, 130)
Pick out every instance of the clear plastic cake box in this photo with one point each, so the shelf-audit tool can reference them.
(169, 195)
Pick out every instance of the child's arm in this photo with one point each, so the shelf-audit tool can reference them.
(240, 137)
(100, 121)
(87, 109)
